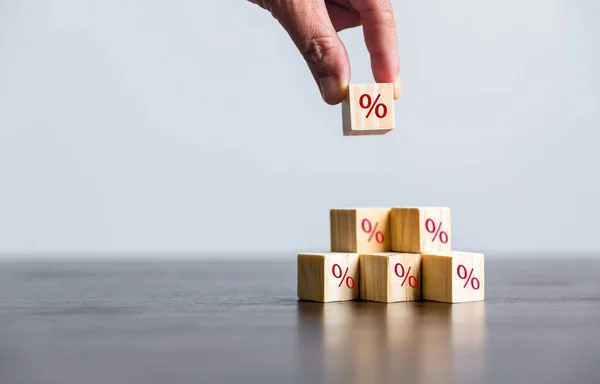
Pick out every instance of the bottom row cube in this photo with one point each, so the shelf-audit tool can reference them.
(450, 277)
(453, 277)
(389, 277)
(328, 276)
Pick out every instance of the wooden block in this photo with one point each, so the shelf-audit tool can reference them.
(418, 230)
(368, 109)
(390, 277)
(360, 230)
(328, 276)
(452, 277)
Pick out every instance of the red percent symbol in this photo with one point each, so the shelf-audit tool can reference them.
(431, 228)
(367, 227)
(412, 281)
(349, 280)
(463, 276)
(365, 103)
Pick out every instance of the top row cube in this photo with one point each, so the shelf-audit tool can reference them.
(411, 230)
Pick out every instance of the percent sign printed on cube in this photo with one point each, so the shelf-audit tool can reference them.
(405, 275)
(390, 277)
(420, 229)
(474, 281)
(372, 231)
(453, 277)
(360, 230)
(336, 271)
(328, 276)
(368, 109)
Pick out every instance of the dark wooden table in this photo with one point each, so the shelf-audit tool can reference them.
(205, 322)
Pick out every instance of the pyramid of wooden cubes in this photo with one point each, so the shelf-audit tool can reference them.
(390, 255)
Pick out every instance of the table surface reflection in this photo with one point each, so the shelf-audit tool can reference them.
(209, 321)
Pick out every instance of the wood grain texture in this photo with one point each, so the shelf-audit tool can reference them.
(316, 280)
(441, 279)
(379, 281)
(409, 232)
(347, 230)
(354, 117)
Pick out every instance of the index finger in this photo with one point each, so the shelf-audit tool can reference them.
(379, 28)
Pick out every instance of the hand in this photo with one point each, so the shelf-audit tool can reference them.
(313, 26)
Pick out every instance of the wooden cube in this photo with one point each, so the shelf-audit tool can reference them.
(361, 230)
(328, 276)
(390, 277)
(452, 277)
(418, 230)
(368, 109)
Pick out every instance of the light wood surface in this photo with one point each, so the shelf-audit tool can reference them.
(354, 114)
(420, 229)
(453, 277)
(390, 277)
(360, 230)
(328, 276)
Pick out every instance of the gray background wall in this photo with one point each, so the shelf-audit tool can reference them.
(143, 127)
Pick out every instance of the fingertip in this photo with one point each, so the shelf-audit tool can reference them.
(333, 90)
(397, 89)
(385, 69)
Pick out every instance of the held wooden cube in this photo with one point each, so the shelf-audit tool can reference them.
(368, 109)
(328, 276)
(360, 230)
(420, 229)
(390, 277)
(453, 277)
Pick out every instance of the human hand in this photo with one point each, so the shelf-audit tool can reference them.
(313, 26)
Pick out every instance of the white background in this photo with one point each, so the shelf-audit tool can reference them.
(194, 127)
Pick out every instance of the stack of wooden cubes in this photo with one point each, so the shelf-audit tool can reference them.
(390, 255)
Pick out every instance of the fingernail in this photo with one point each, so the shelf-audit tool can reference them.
(397, 89)
(330, 89)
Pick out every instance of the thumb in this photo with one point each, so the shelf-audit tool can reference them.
(308, 24)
